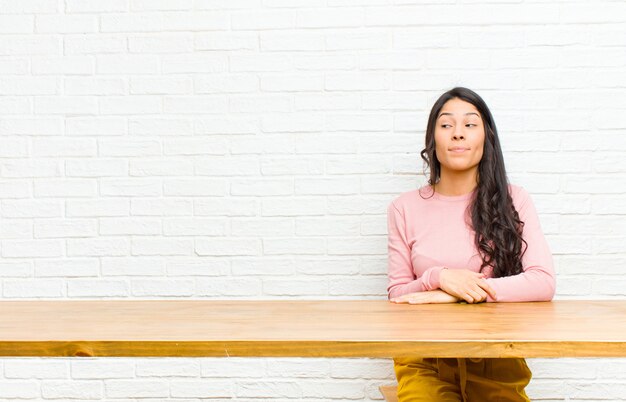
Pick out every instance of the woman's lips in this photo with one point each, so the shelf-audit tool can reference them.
(458, 149)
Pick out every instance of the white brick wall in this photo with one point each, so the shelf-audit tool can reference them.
(248, 149)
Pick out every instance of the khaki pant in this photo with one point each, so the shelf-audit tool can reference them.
(462, 379)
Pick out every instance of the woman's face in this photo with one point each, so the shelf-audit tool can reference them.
(459, 136)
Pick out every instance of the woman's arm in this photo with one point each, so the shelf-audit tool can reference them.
(400, 268)
(538, 281)
(427, 297)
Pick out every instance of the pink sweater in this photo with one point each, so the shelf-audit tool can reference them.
(424, 235)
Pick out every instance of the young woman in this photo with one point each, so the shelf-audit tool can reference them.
(468, 236)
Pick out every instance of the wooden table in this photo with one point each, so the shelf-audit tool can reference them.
(354, 328)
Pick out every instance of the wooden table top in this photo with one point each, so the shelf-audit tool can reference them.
(306, 328)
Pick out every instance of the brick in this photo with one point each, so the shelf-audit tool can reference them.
(361, 368)
(228, 166)
(194, 187)
(15, 189)
(130, 105)
(160, 85)
(96, 167)
(161, 43)
(50, 228)
(61, 146)
(359, 122)
(72, 105)
(195, 104)
(99, 288)
(10, 105)
(127, 64)
(65, 188)
(332, 389)
(326, 101)
(162, 287)
(94, 86)
(100, 126)
(27, 208)
(38, 369)
(100, 246)
(225, 207)
(160, 5)
(67, 267)
(176, 367)
(291, 83)
(16, 229)
(312, 165)
(195, 226)
(226, 41)
(329, 186)
(290, 245)
(129, 226)
(136, 389)
(66, 24)
(131, 187)
(338, 17)
(102, 369)
(97, 208)
(264, 266)
(268, 389)
(161, 246)
(19, 389)
(223, 247)
(134, 147)
(263, 19)
(197, 266)
(76, 389)
(95, 6)
(15, 45)
(201, 389)
(160, 126)
(195, 63)
(233, 367)
(161, 167)
(230, 287)
(30, 6)
(29, 86)
(29, 288)
(94, 43)
(224, 125)
(132, 266)
(14, 66)
(161, 207)
(231, 83)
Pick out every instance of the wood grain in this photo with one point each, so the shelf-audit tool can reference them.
(320, 328)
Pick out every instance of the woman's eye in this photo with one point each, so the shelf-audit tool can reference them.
(444, 125)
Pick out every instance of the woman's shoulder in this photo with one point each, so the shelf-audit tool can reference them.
(519, 195)
(411, 198)
(401, 200)
(517, 191)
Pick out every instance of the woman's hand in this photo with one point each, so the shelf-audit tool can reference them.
(465, 284)
(430, 296)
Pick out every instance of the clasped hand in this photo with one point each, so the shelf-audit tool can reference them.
(465, 284)
(456, 285)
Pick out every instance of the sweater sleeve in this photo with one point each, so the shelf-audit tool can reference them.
(400, 268)
(537, 282)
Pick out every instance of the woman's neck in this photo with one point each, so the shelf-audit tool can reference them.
(456, 183)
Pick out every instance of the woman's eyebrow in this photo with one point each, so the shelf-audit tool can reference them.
(451, 114)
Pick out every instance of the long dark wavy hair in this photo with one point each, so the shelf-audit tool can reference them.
(497, 226)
